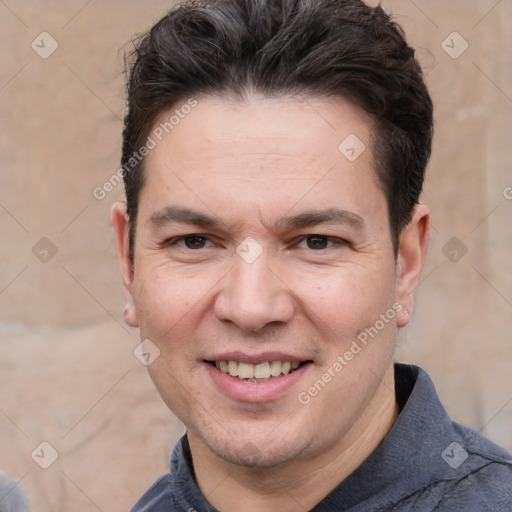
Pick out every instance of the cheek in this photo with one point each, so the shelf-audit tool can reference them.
(167, 301)
(346, 301)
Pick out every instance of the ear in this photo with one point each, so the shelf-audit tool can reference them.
(412, 249)
(120, 222)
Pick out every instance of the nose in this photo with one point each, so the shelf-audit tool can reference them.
(253, 296)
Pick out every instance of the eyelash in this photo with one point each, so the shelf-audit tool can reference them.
(175, 241)
(329, 239)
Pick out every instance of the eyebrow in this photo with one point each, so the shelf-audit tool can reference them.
(311, 218)
(174, 214)
(316, 217)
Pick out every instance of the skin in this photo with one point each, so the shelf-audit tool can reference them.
(249, 165)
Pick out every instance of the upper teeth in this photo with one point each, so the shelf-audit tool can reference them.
(256, 371)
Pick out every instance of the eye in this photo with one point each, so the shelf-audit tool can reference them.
(193, 241)
(316, 242)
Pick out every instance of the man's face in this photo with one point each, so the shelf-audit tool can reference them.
(259, 242)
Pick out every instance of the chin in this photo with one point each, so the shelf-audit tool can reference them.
(256, 451)
(249, 455)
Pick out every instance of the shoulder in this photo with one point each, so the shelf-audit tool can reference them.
(450, 467)
(479, 477)
(488, 488)
(158, 498)
(12, 495)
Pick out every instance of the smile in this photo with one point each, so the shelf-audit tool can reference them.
(256, 378)
(262, 372)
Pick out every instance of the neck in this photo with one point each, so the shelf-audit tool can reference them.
(299, 484)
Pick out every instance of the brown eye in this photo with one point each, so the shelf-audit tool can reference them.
(317, 242)
(195, 241)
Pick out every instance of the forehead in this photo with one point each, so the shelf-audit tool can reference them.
(263, 151)
(305, 126)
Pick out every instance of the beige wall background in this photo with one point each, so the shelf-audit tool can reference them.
(67, 373)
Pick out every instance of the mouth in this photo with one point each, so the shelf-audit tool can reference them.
(265, 371)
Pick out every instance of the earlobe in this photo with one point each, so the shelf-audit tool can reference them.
(411, 257)
(120, 223)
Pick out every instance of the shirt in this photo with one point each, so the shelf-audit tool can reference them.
(426, 463)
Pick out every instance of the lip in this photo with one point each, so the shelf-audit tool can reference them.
(256, 392)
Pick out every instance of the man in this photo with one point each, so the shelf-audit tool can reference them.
(271, 242)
